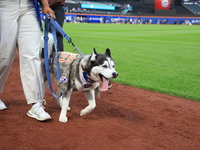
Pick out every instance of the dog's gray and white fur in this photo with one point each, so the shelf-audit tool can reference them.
(96, 67)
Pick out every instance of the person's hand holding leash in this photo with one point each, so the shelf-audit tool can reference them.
(50, 12)
(47, 10)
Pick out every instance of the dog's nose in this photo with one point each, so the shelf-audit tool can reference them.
(115, 74)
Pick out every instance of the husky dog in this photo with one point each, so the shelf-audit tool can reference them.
(81, 74)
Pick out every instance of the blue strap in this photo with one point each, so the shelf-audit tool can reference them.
(58, 27)
(38, 13)
(56, 51)
(46, 59)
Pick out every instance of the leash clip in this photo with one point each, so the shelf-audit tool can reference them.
(70, 40)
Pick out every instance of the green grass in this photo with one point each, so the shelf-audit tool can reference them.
(161, 58)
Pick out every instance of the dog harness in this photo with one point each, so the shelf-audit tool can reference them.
(69, 70)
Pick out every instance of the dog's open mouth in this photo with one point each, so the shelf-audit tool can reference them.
(104, 83)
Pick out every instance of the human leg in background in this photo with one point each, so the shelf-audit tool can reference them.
(60, 16)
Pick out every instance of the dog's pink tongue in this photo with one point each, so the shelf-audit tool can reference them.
(104, 86)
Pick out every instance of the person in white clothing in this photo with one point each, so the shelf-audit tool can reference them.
(19, 27)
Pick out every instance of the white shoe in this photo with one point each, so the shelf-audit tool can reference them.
(2, 105)
(37, 112)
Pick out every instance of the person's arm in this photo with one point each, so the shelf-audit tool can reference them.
(55, 3)
(47, 9)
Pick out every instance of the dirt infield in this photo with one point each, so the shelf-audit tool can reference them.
(126, 118)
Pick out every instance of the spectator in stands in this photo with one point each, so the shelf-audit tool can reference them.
(146, 21)
(66, 9)
(176, 22)
(101, 19)
(165, 21)
(84, 10)
(187, 22)
(78, 9)
(135, 21)
(182, 21)
(73, 10)
(58, 7)
(19, 27)
(159, 21)
(196, 22)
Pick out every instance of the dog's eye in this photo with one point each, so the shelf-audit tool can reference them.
(113, 66)
(105, 66)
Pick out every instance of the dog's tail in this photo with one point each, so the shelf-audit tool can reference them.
(50, 45)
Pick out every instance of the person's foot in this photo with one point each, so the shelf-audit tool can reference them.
(2, 105)
(37, 112)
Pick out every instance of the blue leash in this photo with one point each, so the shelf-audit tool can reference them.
(46, 59)
(38, 13)
(55, 26)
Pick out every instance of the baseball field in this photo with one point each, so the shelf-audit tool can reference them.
(152, 105)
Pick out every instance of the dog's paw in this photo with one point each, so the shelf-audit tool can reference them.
(84, 112)
(63, 119)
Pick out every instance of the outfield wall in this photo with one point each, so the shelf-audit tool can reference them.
(94, 18)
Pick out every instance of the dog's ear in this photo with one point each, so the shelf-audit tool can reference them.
(94, 54)
(108, 52)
